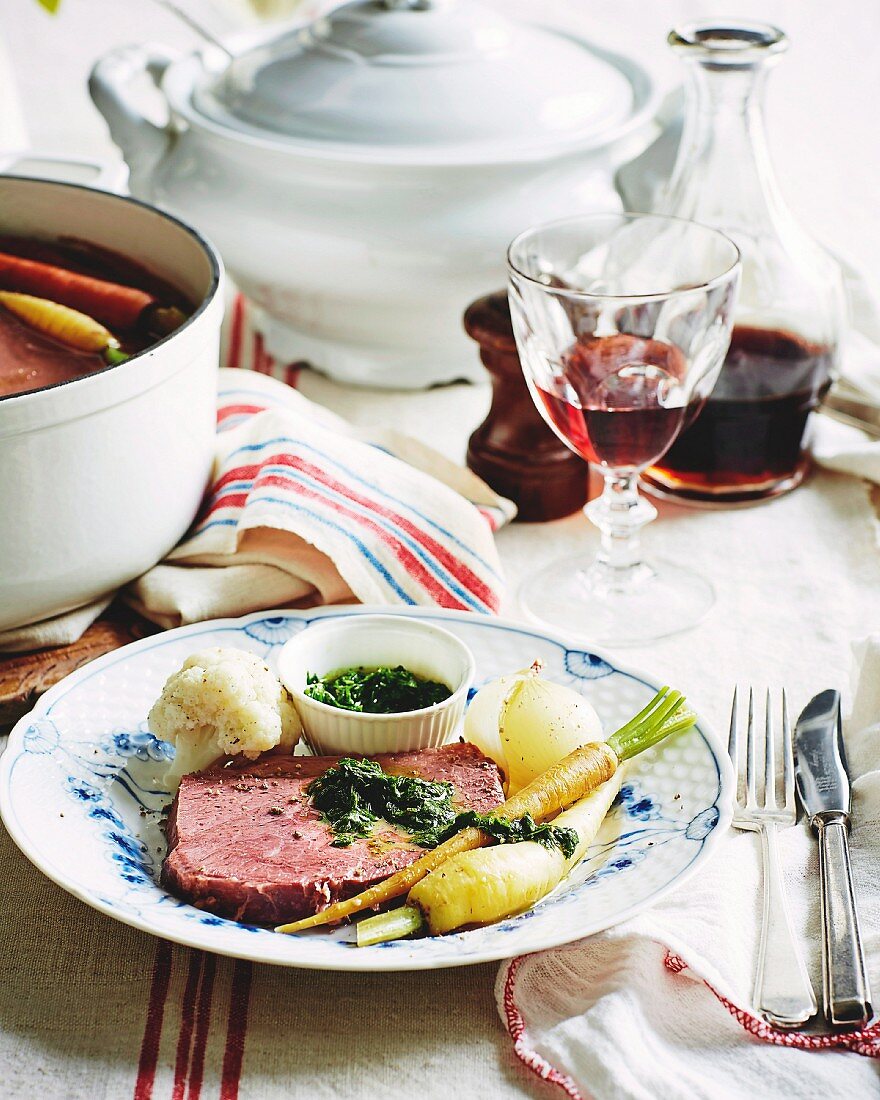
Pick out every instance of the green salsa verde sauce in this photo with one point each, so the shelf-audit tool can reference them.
(382, 690)
(355, 794)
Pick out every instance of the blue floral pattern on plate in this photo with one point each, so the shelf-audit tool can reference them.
(586, 666)
(80, 794)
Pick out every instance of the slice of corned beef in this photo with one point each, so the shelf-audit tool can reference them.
(244, 841)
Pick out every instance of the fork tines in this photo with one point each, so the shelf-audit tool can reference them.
(778, 777)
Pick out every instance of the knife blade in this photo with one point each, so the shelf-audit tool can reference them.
(824, 790)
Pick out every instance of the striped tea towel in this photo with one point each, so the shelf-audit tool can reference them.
(302, 511)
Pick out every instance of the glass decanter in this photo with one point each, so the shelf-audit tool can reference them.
(749, 442)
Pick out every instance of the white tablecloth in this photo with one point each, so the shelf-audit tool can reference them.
(797, 581)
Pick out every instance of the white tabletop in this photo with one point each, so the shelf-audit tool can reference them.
(797, 580)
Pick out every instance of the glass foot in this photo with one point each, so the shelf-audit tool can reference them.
(589, 602)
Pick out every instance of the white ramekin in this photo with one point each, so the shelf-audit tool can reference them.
(370, 641)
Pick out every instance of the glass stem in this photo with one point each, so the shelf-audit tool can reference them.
(620, 514)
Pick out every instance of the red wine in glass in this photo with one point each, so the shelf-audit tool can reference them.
(618, 401)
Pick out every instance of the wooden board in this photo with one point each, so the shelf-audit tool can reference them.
(25, 676)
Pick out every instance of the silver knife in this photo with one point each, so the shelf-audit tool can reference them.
(823, 786)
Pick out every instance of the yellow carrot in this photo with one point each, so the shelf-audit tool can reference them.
(395, 886)
(582, 771)
(64, 324)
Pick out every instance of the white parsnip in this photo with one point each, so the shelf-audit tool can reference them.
(488, 884)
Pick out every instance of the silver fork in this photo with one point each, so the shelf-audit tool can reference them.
(783, 993)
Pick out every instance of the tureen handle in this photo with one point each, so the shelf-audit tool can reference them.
(112, 85)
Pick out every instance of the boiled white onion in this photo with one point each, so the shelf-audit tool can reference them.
(526, 723)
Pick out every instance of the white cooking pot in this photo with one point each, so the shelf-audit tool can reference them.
(362, 176)
(101, 475)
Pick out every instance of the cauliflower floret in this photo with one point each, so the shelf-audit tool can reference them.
(222, 702)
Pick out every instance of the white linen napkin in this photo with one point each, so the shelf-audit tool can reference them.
(660, 1005)
(58, 630)
(838, 446)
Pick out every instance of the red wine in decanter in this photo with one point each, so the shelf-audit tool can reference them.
(748, 441)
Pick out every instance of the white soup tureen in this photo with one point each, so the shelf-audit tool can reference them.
(363, 175)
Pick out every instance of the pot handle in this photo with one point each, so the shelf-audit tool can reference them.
(113, 86)
(104, 175)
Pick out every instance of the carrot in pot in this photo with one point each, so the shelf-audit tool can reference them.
(119, 307)
(567, 781)
(64, 324)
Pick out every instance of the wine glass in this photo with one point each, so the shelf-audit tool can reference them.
(622, 322)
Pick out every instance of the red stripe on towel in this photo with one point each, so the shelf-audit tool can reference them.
(262, 362)
(187, 1019)
(454, 566)
(236, 1030)
(225, 411)
(255, 352)
(236, 331)
(489, 516)
(149, 1056)
(407, 560)
(203, 1024)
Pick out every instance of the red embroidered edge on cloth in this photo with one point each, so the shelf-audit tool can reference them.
(517, 1029)
(865, 1042)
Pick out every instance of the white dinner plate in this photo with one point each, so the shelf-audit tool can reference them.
(76, 797)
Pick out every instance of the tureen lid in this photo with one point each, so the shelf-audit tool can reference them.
(420, 78)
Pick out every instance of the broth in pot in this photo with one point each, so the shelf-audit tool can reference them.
(69, 309)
